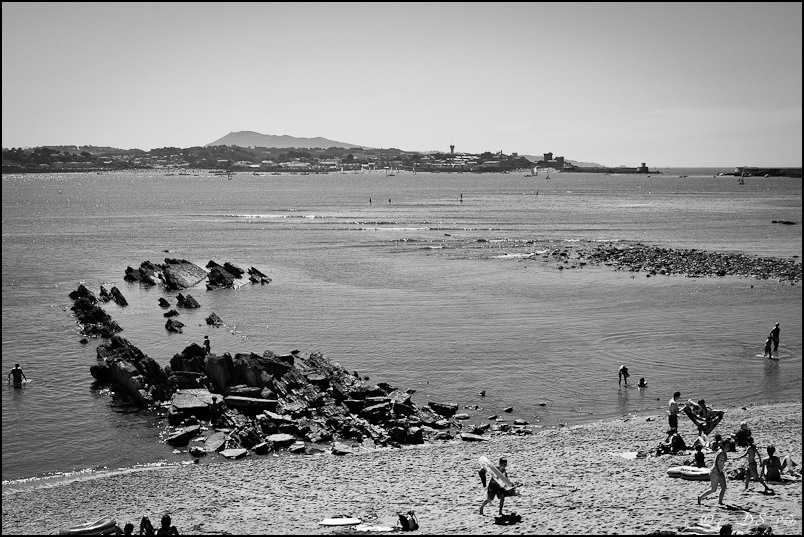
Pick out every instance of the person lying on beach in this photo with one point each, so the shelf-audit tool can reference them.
(753, 471)
(493, 489)
(702, 440)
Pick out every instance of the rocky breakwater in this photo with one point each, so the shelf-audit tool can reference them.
(175, 274)
(261, 403)
(692, 263)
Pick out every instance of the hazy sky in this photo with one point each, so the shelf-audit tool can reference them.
(669, 84)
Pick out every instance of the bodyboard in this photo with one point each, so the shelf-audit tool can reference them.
(340, 521)
(495, 474)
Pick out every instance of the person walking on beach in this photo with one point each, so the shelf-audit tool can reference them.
(753, 465)
(672, 413)
(492, 487)
(717, 475)
(774, 335)
(18, 376)
(622, 375)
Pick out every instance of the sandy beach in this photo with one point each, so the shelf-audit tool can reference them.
(574, 481)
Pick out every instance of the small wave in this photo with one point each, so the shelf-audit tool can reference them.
(432, 247)
(255, 216)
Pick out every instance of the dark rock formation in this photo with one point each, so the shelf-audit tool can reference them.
(255, 276)
(139, 376)
(92, 319)
(164, 303)
(171, 313)
(186, 301)
(118, 297)
(172, 325)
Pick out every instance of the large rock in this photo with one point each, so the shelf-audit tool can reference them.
(180, 274)
(445, 409)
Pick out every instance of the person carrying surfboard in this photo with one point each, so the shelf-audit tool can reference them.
(493, 488)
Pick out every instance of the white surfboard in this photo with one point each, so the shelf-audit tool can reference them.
(340, 521)
(494, 473)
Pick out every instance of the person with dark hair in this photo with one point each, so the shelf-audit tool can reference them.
(18, 376)
(753, 471)
(146, 528)
(700, 459)
(772, 466)
(774, 335)
(166, 528)
(717, 476)
(493, 489)
(742, 434)
(672, 413)
(128, 529)
(207, 346)
(622, 374)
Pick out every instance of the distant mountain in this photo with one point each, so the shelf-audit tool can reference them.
(255, 139)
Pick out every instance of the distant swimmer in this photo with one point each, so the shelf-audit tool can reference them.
(369, 201)
(18, 376)
(461, 198)
(389, 200)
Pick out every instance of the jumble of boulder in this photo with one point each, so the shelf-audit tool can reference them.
(694, 263)
(178, 274)
(304, 403)
(92, 318)
(654, 260)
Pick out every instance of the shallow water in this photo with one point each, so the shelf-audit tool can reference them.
(424, 292)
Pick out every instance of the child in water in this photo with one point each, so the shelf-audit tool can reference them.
(768, 347)
(642, 383)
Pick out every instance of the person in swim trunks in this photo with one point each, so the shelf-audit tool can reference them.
(753, 465)
(493, 489)
(672, 413)
(18, 375)
(774, 335)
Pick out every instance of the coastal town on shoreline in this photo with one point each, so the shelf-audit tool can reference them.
(231, 159)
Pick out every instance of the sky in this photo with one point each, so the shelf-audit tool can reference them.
(668, 84)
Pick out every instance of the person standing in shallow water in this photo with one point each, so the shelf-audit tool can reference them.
(622, 375)
(774, 335)
(18, 375)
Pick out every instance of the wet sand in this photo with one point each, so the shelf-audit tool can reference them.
(573, 482)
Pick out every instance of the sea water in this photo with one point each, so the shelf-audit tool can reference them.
(426, 281)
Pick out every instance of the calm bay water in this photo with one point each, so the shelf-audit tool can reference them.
(423, 292)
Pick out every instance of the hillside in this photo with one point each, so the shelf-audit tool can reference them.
(255, 139)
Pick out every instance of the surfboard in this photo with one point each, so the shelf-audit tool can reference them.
(494, 473)
(340, 521)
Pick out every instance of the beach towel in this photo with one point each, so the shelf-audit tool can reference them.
(707, 424)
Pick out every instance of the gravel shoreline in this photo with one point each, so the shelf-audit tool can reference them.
(574, 482)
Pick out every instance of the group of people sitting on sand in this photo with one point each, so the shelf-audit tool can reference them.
(146, 528)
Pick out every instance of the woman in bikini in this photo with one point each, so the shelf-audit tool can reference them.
(717, 476)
